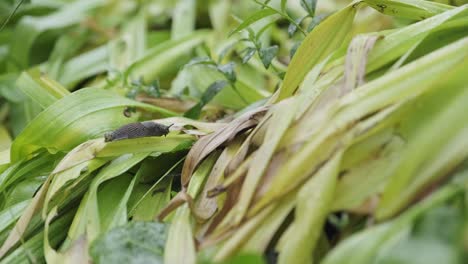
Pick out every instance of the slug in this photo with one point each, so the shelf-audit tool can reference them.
(137, 130)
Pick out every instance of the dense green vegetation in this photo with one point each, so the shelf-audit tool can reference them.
(300, 131)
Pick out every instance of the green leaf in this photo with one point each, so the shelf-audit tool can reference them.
(414, 9)
(136, 242)
(450, 216)
(166, 58)
(33, 248)
(321, 42)
(5, 140)
(131, 44)
(283, 5)
(228, 71)
(358, 184)
(154, 89)
(207, 96)
(443, 137)
(369, 98)
(198, 78)
(294, 49)
(180, 246)
(112, 201)
(12, 13)
(267, 55)
(309, 6)
(435, 252)
(146, 144)
(266, 230)
(248, 54)
(83, 66)
(183, 18)
(264, 29)
(442, 245)
(200, 61)
(253, 18)
(7, 88)
(9, 215)
(30, 27)
(242, 258)
(363, 247)
(313, 204)
(40, 88)
(147, 201)
(88, 220)
(37, 166)
(65, 47)
(316, 20)
(396, 43)
(23, 191)
(246, 259)
(82, 115)
(22, 113)
(292, 28)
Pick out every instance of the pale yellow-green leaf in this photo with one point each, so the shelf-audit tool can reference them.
(321, 42)
(313, 203)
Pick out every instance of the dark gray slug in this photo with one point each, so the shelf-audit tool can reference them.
(137, 130)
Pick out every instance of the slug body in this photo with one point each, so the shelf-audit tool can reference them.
(137, 130)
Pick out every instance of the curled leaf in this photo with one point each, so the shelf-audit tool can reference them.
(209, 143)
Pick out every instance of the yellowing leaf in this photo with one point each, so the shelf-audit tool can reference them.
(322, 41)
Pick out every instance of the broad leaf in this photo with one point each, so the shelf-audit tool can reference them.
(88, 113)
(137, 242)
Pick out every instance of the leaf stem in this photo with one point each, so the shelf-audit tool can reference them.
(283, 14)
(11, 14)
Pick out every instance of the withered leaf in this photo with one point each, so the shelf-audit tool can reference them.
(207, 144)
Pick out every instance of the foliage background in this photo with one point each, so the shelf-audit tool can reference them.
(302, 131)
